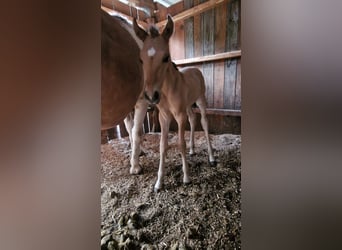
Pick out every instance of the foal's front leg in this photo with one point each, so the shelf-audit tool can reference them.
(164, 120)
(181, 119)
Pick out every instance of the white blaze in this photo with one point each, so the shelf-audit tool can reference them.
(151, 52)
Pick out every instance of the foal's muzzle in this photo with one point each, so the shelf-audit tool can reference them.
(155, 98)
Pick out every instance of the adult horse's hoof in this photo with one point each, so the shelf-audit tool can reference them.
(135, 170)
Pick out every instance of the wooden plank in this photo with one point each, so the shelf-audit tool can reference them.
(220, 44)
(218, 84)
(208, 73)
(209, 58)
(231, 65)
(161, 13)
(232, 25)
(208, 30)
(197, 33)
(129, 18)
(189, 31)
(223, 112)
(194, 11)
(239, 27)
(177, 48)
(229, 83)
(237, 101)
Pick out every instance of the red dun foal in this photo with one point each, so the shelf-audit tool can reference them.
(122, 74)
(173, 91)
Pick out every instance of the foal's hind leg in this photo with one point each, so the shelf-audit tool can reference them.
(139, 115)
(201, 103)
(192, 121)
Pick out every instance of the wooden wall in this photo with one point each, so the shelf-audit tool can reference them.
(212, 32)
(209, 33)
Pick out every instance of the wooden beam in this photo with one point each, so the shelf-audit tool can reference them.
(129, 18)
(220, 56)
(193, 11)
(222, 112)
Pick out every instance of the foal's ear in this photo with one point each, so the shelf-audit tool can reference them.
(142, 34)
(168, 30)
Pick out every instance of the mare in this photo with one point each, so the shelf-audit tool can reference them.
(121, 71)
(174, 92)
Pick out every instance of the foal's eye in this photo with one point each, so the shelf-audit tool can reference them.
(140, 60)
(166, 58)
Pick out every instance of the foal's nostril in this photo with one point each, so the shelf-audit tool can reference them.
(146, 96)
(155, 96)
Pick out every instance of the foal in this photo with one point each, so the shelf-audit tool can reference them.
(173, 91)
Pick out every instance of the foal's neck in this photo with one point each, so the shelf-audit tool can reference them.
(172, 74)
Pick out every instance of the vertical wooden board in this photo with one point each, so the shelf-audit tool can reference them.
(189, 37)
(239, 26)
(220, 28)
(218, 84)
(229, 83)
(237, 102)
(208, 31)
(177, 42)
(189, 31)
(220, 43)
(198, 32)
(232, 25)
(162, 12)
(208, 73)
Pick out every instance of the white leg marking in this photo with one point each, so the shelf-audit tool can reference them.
(140, 112)
(164, 120)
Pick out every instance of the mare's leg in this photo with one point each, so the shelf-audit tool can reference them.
(192, 121)
(181, 119)
(129, 125)
(164, 120)
(139, 115)
(201, 103)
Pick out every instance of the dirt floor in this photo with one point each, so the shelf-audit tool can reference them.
(205, 214)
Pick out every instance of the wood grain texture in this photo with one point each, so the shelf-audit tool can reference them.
(177, 48)
(232, 25)
(237, 101)
(189, 31)
(220, 47)
(229, 83)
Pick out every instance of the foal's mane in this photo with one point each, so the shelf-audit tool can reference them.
(153, 31)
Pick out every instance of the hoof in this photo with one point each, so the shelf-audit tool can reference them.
(136, 170)
(213, 163)
(187, 183)
(157, 189)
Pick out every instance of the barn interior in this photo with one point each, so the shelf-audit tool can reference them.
(206, 36)
(207, 213)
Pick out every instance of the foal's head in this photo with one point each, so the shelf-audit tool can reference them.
(155, 57)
